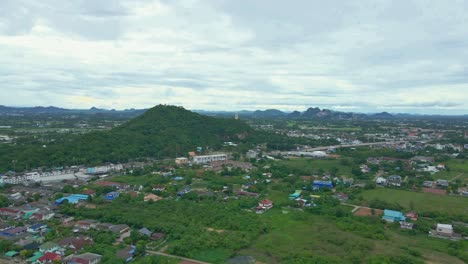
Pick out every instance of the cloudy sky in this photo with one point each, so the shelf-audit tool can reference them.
(361, 56)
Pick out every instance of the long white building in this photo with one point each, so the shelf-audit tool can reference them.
(209, 158)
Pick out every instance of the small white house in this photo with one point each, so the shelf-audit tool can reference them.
(444, 229)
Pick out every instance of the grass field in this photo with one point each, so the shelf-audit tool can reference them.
(421, 201)
(309, 166)
(294, 233)
(457, 168)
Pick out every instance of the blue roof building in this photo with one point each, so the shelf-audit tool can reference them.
(111, 196)
(295, 195)
(322, 184)
(393, 216)
(74, 198)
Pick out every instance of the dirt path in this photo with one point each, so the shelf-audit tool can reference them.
(456, 177)
(174, 256)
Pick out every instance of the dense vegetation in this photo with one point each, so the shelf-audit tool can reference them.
(163, 131)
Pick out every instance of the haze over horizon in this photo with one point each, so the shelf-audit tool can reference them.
(360, 56)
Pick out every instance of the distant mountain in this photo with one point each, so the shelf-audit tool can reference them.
(269, 113)
(52, 110)
(383, 115)
(161, 132)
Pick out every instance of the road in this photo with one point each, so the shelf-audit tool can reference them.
(174, 256)
(348, 146)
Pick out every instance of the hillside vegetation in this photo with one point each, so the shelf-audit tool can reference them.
(161, 132)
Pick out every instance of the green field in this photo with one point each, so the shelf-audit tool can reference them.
(310, 166)
(458, 169)
(421, 201)
(297, 234)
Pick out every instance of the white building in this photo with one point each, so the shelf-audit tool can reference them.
(181, 161)
(443, 229)
(209, 158)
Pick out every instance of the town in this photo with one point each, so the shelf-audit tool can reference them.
(385, 183)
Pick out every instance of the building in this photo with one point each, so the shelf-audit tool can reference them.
(412, 215)
(151, 197)
(265, 204)
(394, 180)
(111, 196)
(49, 247)
(444, 230)
(181, 161)
(126, 254)
(36, 228)
(393, 216)
(145, 231)
(209, 158)
(295, 195)
(49, 257)
(442, 183)
(381, 181)
(86, 258)
(316, 185)
(251, 154)
(73, 199)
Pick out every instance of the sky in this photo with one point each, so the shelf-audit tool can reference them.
(354, 56)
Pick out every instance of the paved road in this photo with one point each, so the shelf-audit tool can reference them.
(349, 146)
(174, 256)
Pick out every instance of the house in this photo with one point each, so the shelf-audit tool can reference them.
(251, 154)
(412, 215)
(49, 247)
(75, 243)
(126, 253)
(9, 212)
(28, 244)
(89, 192)
(145, 231)
(85, 258)
(37, 228)
(295, 195)
(381, 181)
(35, 257)
(11, 254)
(13, 232)
(342, 197)
(442, 183)
(428, 184)
(5, 226)
(444, 230)
(49, 257)
(181, 161)
(119, 229)
(406, 225)
(264, 205)
(111, 196)
(393, 216)
(86, 224)
(394, 180)
(157, 236)
(316, 185)
(159, 188)
(152, 197)
(249, 194)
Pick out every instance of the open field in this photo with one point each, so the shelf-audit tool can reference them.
(422, 201)
(458, 169)
(295, 233)
(311, 166)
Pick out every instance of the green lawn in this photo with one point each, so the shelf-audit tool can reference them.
(422, 201)
(457, 168)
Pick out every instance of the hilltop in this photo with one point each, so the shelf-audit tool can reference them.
(160, 132)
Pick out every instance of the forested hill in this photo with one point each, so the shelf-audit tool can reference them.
(160, 132)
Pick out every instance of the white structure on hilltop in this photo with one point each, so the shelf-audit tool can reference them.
(209, 158)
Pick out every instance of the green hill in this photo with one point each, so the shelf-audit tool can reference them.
(160, 132)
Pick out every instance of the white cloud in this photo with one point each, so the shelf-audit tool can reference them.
(227, 55)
